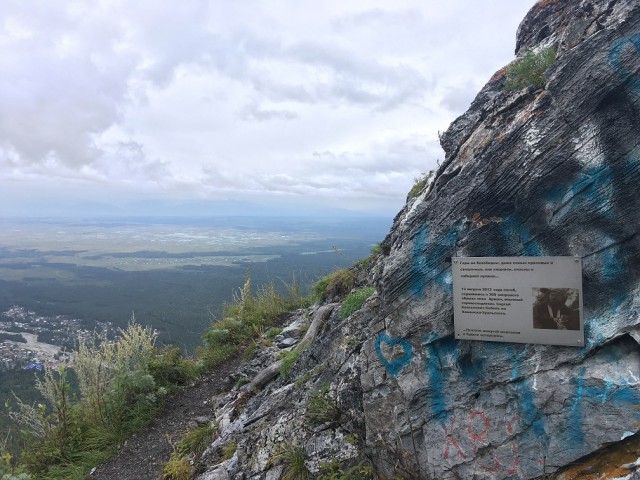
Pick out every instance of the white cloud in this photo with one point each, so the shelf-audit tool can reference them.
(210, 98)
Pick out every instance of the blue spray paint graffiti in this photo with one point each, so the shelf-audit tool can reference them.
(438, 351)
(612, 266)
(621, 391)
(436, 380)
(516, 361)
(617, 63)
(431, 264)
(575, 428)
(529, 415)
(607, 391)
(584, 199)
(395, 365)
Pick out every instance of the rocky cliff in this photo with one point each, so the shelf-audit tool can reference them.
(539, 171)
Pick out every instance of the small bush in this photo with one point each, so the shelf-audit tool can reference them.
(366, 262)
(338, 283)
(355, 300)
(333, 471)
(288, 361)
(321, 408)
(118, 394)
(418, 185)
(293, 459)
(246, 318)
(7, 470)
(177, 468)
(227, 450)
(169, 369)
(272, 332)
(529, 69)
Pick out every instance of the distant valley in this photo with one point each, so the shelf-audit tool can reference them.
(175, 274)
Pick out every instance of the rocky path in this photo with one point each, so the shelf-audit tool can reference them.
(143, 455)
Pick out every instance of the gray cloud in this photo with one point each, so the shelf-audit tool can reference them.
(381, 170)
(458, 99)
(193, 97)
(64, 82)
(259, 114)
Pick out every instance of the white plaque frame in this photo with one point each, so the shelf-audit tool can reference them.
(518, 299)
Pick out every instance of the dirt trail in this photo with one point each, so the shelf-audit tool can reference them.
(144, 454)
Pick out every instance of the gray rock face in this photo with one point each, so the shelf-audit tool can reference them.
(269, 423)
(553, 171)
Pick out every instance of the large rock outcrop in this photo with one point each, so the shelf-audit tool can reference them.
(549, 171)
(552, 171)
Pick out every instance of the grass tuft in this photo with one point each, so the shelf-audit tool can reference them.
(355, 300)
(196, 441)
(338, 283)
(177, 468)
(293, 458)
(321, 407)
(246, 317)
(419, 183)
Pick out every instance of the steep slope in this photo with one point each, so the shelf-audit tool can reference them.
(547, 171)
(552, 171)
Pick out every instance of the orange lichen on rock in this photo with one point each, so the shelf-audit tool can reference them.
(542, 4)
(499, 73)
(605, 464)
(522, 117)
(480, 221)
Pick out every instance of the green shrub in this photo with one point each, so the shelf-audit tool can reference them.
(528, 70)
(246, 317)
(418, 185)
(272, 332)
(170, 369)
(320, 407)
(131, 400)
(333, 471)
(8, 471)
(355, 300)
(366, 261)
(289, 359)
(118, 394)
(227, 450)
(293, 459)
(338, 283)
(192, 444)
(177, 468)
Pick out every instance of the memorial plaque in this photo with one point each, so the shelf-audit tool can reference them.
(518, 299)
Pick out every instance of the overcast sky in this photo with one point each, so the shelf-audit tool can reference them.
(213, 107)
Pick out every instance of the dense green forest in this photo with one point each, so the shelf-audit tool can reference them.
(179, 302)
(22, 384)
(14, 337)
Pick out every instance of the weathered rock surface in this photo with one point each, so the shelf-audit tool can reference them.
(268, 423)
(552, 171)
